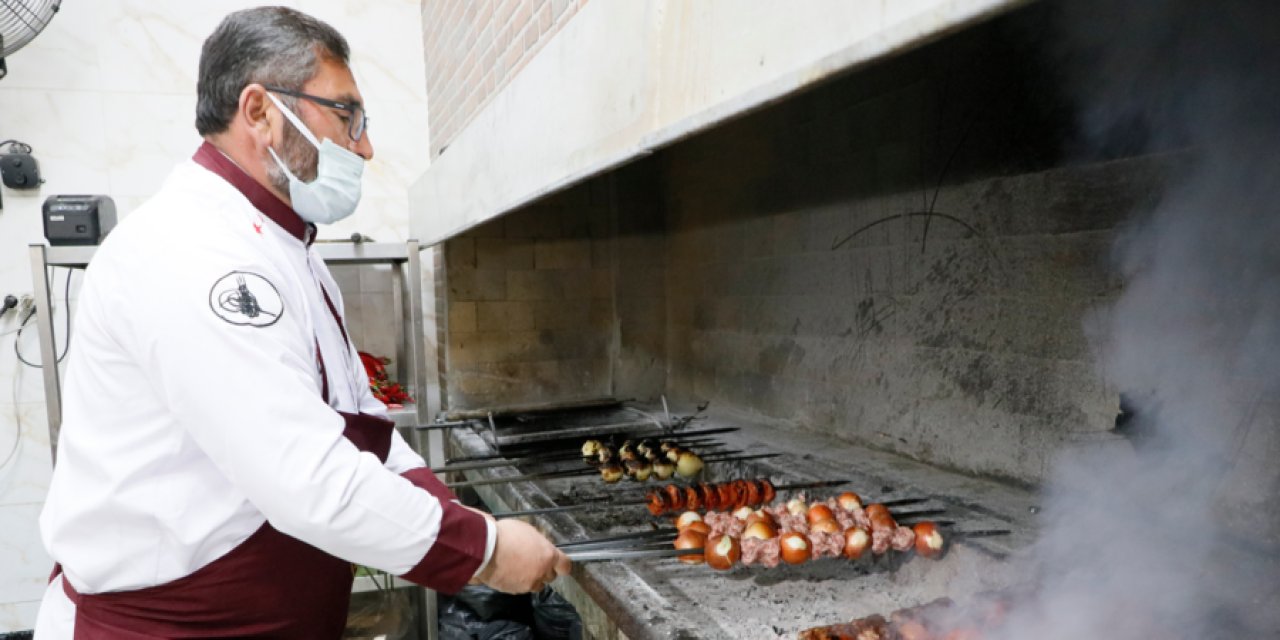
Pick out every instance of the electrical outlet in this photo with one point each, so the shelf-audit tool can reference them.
(25, 302)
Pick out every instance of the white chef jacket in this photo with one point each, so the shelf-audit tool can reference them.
(188, 420)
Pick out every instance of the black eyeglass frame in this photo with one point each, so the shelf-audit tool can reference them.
(359, 119)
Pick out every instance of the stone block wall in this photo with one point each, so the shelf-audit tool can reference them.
(906, 257)
(527, 305)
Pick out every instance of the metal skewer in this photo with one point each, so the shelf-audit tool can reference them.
(657, 435)
(606, 555)
(569, 473)
(641, 537)
(703, 445)
(608, 504)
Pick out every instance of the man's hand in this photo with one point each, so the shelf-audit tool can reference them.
(523, 559)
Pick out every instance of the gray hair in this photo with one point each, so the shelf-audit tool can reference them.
(267, 45)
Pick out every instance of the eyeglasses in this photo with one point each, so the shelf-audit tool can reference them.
(357, 121)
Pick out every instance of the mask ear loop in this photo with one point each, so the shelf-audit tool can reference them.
(297, 124)
(294, 120)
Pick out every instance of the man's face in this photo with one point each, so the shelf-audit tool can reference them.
(333, 80)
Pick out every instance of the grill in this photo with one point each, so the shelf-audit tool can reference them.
(661, 598)
(933, 276)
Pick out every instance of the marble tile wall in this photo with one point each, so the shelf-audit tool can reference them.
(112, 115)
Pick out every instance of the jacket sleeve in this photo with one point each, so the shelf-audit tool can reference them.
(247, 391)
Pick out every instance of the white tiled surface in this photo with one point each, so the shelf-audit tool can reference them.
(112, 115)
(26, 565)
(24, 442)
(19, 615)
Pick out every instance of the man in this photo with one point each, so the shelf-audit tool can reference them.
(222, 462)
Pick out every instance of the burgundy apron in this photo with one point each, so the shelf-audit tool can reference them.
(270, 586)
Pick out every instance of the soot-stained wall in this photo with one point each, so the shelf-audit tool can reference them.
(904, 257)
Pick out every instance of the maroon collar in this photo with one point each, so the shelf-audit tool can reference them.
(209, 157)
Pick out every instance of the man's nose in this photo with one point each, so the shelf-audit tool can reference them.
(364, 147)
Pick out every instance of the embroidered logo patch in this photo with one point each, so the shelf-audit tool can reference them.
(246, 299)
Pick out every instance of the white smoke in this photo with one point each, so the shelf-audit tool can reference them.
(1141, 545)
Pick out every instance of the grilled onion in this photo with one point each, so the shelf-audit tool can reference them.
(642, 473)
(687, 518)
(591, 448)
(856, 541)
(849, 501)
(826, 526)
(760, 515)
(929, 541)
(819, 512)
(663, 469)
(797, 507)
(722, 552)
(611, 472)
(743, 512)
(691, 540)
(761, 530)
(700, 526)
(688, 464)
(795, 547)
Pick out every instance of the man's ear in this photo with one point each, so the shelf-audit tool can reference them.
(255, 109)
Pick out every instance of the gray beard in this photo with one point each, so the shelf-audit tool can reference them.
(299, 155)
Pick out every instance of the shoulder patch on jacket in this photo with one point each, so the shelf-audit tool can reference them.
(246, 299)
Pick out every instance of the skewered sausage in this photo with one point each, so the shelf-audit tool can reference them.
(675, 497)
(726, 496)
(656, 503)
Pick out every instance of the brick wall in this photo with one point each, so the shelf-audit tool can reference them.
(474, 47)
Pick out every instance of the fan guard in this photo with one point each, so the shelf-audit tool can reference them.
(22, 20)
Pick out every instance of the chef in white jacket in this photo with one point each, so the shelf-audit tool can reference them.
(222, 462)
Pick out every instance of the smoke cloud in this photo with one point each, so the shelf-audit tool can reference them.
(1177, 538)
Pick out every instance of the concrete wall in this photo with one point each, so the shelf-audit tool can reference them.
(819, 276)
(473, 47)
(904, 257)
(112, 116)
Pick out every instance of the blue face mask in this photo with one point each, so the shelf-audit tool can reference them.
(335, 192)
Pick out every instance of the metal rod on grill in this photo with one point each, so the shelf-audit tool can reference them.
(900, 517)
(675, 437)
(705, 445)
(607, 504)
(643, 537)
(438, 426)
(606, 555)
(569, 473)
(604, 504)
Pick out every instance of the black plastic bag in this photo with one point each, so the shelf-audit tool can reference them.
(554, 618)
(491, 604)
(505, 630)
(458, 622)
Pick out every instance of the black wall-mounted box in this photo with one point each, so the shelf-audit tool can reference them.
(78, 220)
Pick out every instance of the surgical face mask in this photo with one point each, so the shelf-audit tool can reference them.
(335, 192)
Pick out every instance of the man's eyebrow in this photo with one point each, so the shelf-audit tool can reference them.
(351, 99)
